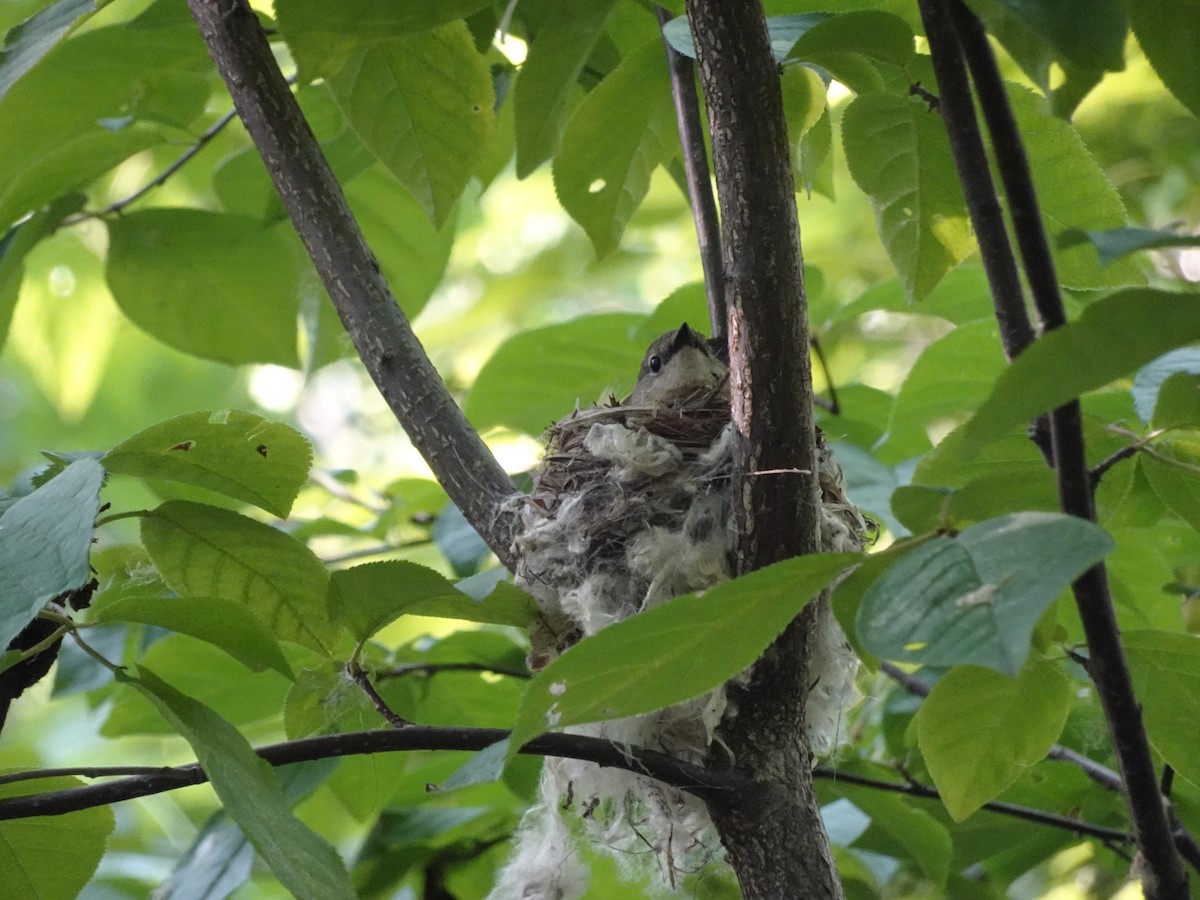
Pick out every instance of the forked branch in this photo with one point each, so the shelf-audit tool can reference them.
(381, 334)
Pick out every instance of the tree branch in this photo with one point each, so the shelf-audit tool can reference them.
(699, 183)
(1028, 814)
(951, 25)
(381, 334)
(708, 785)
(780, 848)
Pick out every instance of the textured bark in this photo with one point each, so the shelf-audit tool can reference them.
(776, 839)
(381, 334)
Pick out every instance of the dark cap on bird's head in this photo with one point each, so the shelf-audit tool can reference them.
(679, 364)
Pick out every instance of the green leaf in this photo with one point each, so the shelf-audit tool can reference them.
(207, 674)
(26, 44)
(368, 597)
(412, 253)
(1114, 243)
(538, 376)
(17, 242)
(237, 454)
(45, 538)
(222, 623)
(1178, 403)
(90, 103)
(898, 153)
(803, 100)
(1166, 674)
(1169, 34)
(47, 857)
(423, 104)
(783, 32)
(323, 36)
(675, 651)
(1174, 474)
(949, 380)
(327, 701)
(867, 32)
(976, 598)
(810, 156)
(209, 552)
(558, 52)
(1149, 380)
(220, 859)
(979, 731)
(925, 839)
(304, 863)
(1082, 34)
(614, 140)
(1073, 193)
(217, 286)
(1115, 335)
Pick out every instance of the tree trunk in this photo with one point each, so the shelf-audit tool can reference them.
(775, 839)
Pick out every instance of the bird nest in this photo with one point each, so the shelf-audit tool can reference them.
(630, 507)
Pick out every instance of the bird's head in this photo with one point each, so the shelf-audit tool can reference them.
(679, 365)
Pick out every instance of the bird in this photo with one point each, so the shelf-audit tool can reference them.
(680, 366)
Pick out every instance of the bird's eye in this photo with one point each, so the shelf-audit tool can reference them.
(655, 364)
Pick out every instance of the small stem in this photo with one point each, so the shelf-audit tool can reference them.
(699, 180)
(357, 673)
(434, 668)
(161, 178)
(95, 654)
(132, 514)
(915, 789)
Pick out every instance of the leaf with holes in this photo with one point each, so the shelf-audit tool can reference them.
(976, 598)
(675, 651)
(237, 454)
(209, 552)
(617, 136)
(899, 154)
(422, 103)
(979, 731)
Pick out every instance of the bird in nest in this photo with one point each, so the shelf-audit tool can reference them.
(630, 507)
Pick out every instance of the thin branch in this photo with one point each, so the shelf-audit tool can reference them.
(381, 333)
(915, 789)
(974, 172)
(699, 181)
(144, 781)
(84, 772)
(161, 178)
(364, 683)
(378, 550)
(434, 668)
(726, 786)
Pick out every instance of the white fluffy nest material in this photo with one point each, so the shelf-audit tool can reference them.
(630, 508)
